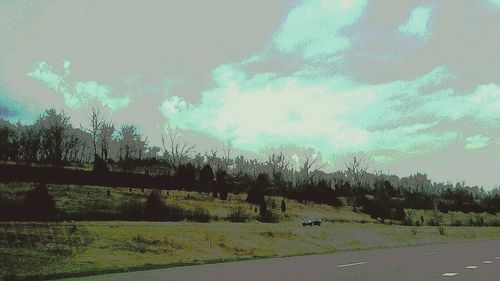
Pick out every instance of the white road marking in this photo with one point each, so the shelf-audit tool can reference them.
(431, 253)
(450, 274)
(471, 267)
(498, 258)
(351, 264)
(487, 261)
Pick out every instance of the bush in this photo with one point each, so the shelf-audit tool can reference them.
(199, 215)
(38, 204)
(441, 229)
(10, 209)
(494, 222)
(432, 222)
(478, 220)
(238, 214)
(173, 213)
(154, 206)
(270, 216)
(99, 166)
(132, 209)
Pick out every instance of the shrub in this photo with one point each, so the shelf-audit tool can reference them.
(283, 206)
(38, 204)
(10, 209)
(154, 206)
(457, 222)
(238, 214)
(132, 209)
(99, 166)
(441, 229)
(494, 222)
(199, 215)
(173, 213)
(432, 222)
(270, 216)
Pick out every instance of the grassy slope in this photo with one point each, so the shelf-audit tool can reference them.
(45, 249)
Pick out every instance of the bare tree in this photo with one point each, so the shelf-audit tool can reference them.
(226, 157)
(278, 163)
(106, 134)
(96, 123)
(128, 136)
(213, 159)
(435, 209)
(307, 166)
(176, 153)
(356, 171)
(409, 215)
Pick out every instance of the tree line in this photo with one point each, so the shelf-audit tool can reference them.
(116, 152)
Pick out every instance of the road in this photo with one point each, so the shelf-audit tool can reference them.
(460, 261)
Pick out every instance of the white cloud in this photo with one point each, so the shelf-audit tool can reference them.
(476, 142)
(80, 93)
(418, 22)
(314, 27)
(332, 115)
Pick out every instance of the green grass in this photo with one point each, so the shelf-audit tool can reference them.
(65, 249)
(57, 249)
(456, 218)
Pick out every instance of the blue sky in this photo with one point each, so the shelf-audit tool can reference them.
(412, 86)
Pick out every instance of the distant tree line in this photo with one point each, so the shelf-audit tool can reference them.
(124, 156)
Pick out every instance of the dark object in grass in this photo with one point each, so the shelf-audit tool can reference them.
(311, 223)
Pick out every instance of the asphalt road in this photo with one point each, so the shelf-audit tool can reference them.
(475, 261)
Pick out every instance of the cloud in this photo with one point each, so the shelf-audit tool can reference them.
(495, 2)
(333, 115)
(314, 28)
(80, 93)
(418, 22)
(476, 142)
(483, 104)
(400, 81)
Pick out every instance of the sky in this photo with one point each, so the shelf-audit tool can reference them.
(410, 86)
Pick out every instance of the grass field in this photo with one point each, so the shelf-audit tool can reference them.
(57, 249)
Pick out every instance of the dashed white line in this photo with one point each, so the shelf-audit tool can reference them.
(431, 253)
(471, 267)
(450, 274)
(487, 262)
(351, 264)
(498, 258)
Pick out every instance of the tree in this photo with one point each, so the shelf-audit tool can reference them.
(206, 179)
(356, 171)
(278, 164)
(132, 146)
(307, 164)
(222, 185)
(175, 152)
(56, 140)
(8, 143)
(29, 143)
(257, 191)
(185, 176)
(106, 134)
(94, 130)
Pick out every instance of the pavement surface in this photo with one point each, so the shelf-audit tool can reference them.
(475, 261)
